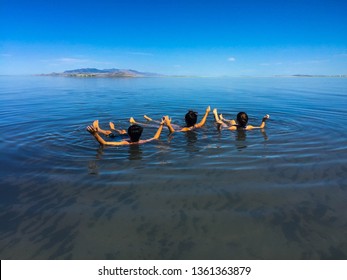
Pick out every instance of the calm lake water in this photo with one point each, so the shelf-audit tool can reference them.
(280, 193)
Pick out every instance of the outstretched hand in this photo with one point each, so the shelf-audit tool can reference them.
(162, 121)
(266, 117)
(92, 130)
(208, 109)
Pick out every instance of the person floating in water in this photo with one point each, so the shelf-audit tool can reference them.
(109, 133)
(190, 118)
(241, 122)
(134, 132)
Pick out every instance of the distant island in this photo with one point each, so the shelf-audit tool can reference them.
(103, 73)
(129, 73)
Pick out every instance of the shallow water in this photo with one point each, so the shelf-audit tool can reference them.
(208, 194)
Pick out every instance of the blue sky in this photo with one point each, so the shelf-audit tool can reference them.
(206, 37)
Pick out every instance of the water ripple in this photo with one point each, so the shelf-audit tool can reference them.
(276, 194)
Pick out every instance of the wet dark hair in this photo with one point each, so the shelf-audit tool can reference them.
(134, 132)
(191, 118)
(242, 119)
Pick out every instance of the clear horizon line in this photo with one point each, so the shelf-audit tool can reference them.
(205, 76)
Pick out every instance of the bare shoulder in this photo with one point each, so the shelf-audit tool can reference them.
(120, 143)
(232, 127)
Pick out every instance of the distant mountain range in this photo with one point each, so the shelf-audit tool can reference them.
(129, 73)
(112, 73)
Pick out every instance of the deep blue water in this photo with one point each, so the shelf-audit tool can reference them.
(280, 193)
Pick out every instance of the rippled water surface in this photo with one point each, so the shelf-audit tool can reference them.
(280, 193)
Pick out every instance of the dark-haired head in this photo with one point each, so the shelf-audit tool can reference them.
(242, 119)
(191, 118)
(134, 132)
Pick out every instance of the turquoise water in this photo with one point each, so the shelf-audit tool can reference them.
(273, 194)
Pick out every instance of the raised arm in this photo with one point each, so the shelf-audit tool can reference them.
(156, 135)
(203, 121)
(262, 125)
(167, 122)
(160, 128)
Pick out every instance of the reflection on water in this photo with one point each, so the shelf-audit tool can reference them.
(191, 139)
(135, 152)
(277, 193)
(241, 138)
(240, 142)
